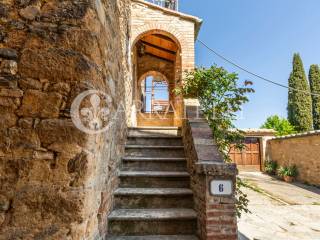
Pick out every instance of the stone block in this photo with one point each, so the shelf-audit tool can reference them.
(29, 13)
(8, 118)
(30, 83)
(23, 138)
(4, 203)
(60, 131)
(40, 104)
(26, 123)
(9, 102)
(8, 53)
(7, 92)
(9, 67)
(58, 65)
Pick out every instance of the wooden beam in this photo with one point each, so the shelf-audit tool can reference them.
(161, 42)
(158, 47)
(162, 58)
(160, 53)
(164, 37)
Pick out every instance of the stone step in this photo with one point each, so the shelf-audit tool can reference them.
(153, 164)
(155, 131)
(126, 222)
(154, 179)
(153, 198)
(155, 141)
(159, 237)
(154, 151)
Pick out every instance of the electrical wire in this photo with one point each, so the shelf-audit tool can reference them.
(254, 74)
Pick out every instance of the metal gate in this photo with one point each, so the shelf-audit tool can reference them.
(250, 157)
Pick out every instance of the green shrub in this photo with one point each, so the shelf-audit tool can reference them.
(271, 167)
(281, 125)
(290, 171)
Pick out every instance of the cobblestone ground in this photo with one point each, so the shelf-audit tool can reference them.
(280, 211)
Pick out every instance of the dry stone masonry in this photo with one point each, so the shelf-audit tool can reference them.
(55, 181)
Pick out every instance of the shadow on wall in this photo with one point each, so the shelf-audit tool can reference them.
(242, 237)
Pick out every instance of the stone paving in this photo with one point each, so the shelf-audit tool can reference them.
(280, 211)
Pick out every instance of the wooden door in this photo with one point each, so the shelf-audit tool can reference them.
(250, 157)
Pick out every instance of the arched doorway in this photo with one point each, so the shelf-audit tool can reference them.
(154, 93)
(157, 72)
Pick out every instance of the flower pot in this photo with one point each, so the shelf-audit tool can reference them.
(288, 179)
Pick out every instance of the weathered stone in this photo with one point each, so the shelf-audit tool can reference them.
(30, 83)
(60, 131)
(66, 150)
(61, 47)
(9, 67)
(23, 138)
(7, 92)
(8, 81)
(8, 118)
(26, 123)
(64, 10)
(62, 88)
(9, 102)
(40, 155)
(2, 218)
(3, 10)
(8, 53)
(22, 3)
(58, 65)
(40, 104)
(4, 203)
(29, 12)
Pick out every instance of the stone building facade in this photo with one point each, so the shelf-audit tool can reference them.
(56, 181)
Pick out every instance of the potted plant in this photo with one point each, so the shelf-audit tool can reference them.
(288, 173)
(270, 167)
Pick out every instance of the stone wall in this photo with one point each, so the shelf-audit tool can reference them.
(216, 214)
(301, 150)
(56, 181)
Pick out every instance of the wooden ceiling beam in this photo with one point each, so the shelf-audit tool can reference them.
(159, 47)
(160, 42)
(160, 53)
(162, 58)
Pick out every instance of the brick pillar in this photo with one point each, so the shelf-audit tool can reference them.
(216, 214)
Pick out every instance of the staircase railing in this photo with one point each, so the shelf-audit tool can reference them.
(171, 4)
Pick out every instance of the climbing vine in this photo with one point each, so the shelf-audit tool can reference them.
(220, 97)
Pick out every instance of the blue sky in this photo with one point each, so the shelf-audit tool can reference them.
(261, 35)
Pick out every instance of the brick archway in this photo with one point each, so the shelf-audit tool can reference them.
(168, 30)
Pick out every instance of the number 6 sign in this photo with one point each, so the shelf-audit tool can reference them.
(221, 187)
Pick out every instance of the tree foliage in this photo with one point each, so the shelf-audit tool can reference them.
(281, 125)
(299, 102)
(314, 78)
(220, 98)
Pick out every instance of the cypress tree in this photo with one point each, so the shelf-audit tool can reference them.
(314, 78)
(299, 102)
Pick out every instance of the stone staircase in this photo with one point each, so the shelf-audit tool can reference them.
(154, 200)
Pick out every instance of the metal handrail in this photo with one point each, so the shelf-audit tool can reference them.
(171, 4)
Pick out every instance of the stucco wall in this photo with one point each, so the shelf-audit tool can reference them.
(301, 150)
(56, 182)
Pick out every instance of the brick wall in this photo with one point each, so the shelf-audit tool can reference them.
(56, 182)
(301, 150)
(182, 28)
(147, 18)
(216, 214)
